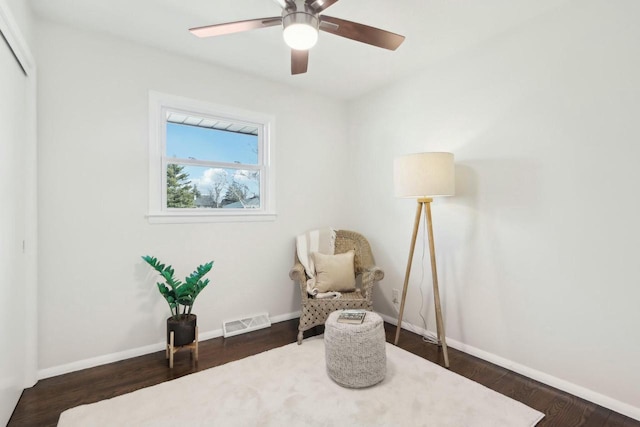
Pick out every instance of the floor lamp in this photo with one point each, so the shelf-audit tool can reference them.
(423, 176)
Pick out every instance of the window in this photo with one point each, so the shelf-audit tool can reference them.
(208, 163)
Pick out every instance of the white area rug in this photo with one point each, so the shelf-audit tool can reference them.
(288, 386)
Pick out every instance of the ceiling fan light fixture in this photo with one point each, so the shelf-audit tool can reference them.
(300, 30)
(301, 21)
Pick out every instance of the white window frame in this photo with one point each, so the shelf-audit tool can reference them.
(159, 105)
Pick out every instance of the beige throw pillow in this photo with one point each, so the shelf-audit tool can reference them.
(335, 272)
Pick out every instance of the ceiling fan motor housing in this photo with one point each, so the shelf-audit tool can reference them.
(296, 17)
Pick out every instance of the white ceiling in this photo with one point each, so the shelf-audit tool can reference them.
(341, 68)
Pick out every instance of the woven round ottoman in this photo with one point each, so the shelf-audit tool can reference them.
(355, 354)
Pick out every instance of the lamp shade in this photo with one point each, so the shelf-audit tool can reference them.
(424, 175)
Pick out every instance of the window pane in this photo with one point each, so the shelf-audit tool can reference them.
(199, 143)
(214, 188)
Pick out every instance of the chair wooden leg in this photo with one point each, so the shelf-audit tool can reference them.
(300, 336)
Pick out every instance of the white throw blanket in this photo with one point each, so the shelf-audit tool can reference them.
(323, 241)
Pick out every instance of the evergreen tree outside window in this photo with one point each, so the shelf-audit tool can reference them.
(181, 193)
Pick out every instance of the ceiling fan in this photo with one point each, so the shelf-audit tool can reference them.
(301, 20)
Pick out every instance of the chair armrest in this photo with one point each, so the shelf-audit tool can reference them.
(370, 276)
(298, 275)
(376, 272)
(297, 272)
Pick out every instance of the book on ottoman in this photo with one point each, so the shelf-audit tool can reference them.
(352, 316)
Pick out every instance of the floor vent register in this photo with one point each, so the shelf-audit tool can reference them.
(246, 324)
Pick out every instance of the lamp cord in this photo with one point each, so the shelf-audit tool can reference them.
(425, 336)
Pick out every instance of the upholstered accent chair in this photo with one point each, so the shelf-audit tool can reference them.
(316, 310)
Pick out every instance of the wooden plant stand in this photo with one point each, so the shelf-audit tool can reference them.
(171, 349)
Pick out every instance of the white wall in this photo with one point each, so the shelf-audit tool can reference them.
(21, 12)
(538, 251)
(17, 210)
(97, 297)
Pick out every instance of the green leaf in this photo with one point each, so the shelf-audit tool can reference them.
(176, 292)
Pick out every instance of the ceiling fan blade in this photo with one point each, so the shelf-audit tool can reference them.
(299, 61)
(287, 4)
(235, 27)
(320, 5)
(360, 32)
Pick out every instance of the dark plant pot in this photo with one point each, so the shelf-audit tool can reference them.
(184, 329)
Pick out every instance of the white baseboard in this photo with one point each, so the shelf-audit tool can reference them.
(285, 317)
(574, 389)
(135, 352)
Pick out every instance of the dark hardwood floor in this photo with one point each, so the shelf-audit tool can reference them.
(42, 404)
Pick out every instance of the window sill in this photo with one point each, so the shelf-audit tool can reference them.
(194, 218)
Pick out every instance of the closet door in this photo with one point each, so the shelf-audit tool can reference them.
(13, 293)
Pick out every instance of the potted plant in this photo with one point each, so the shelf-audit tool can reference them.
(180, 296)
